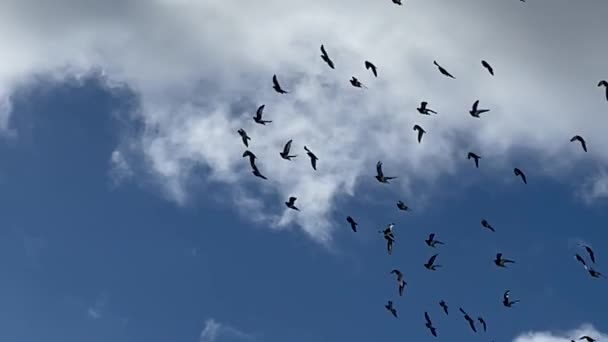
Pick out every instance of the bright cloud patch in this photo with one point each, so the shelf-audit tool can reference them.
(217, 332)
(545, 336)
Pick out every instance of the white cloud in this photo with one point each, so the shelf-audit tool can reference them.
(546, 336)
(96, 311)
(201, 74)
(595, 187)
(215, 331)
(120, 169)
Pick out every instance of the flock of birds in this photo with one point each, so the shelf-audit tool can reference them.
(388, 234)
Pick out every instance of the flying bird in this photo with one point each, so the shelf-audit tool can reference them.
(469, 319)
(258, 116)
(519, 173)
(475, 112)
(442, 70)
(389, 237)
(353, 224)
(389, 306)
(313, 158)
(285, 153)
(444, 306)
(244, 137)
(589, 339)
(581, 140)
(254, 168)
(604, 83)
(429, 324)
(421, 132)
(369, 65)
(397, 2)
(506, 301)
(400, 281)
(431, 242)
(483, 323)
(326, 58)
(591, 271)
(291, 203)
(501, 262)
(430, 265)
(402, 206)
(380, 175)
(424, 110)
(276, 86)
(356, 83)
(475, 158)
(485, 224)
(488, 66)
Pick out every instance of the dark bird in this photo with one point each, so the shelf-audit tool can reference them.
(429, 324)
(389, 307)
(254, 168)
(591, 271)
(276, 86)
(402, 206)
(380, 175)
(501, 262)
(589, 339)
(400, 281)
(313, 158)
(389, 237)
(475, 112)
(581, 140)
(285, 154)
(424, 110)
(356, 83)
(442, 70)
(506, 301)
(291, 203)
(444, 306)
(431, 242)
(485, 224)
(475, 157)
(604, 83)
(488, 66)
(257, 173)
(483, 323)
(469, 319)
(258, 116)
(397, 2)
(244, 137)
(369, 65)
(421, 132)
(430, 264)
(326, 58)
(353, 224)
(519, 173)
(590, 252)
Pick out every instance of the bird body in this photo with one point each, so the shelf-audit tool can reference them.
(380, 175)
(258, 116)
(313, 158)
(353, 224)
(442, 70)
(402, 206)
(520, 174)
(581, 140)
(604, 83)
(389, 306)
(370, 66)
(431, 242)
(421, 132)
(506, 301)
(502, 262)
(444, 306)
(424, 110)
(430, 265)
(326, 58)
(285, 153)
(291, 203)
(356, 83)
(486, 224)
(474, 157)
(488, 66)
(244, 137)
(276, 86)
(476, 112)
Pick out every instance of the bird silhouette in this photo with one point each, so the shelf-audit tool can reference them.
(488, 66)
(485, 224)
(581, 140)
(476, 112)
(258, 116)
(397, 2)
(421, 132)
(389, 237)
(285, 153)
(444, 306)
(353, 224)
(443, 70)
(389, 306)
(469, 320)
(520, 173)
(589, 251)
(254, 168)
(475, 158)
(431, 242)
(291, 203)
(380, 175)
(506, 301)
(276, 86)
(424, 110)
(604, 83)
(429, 324)
(356, 83)
(313, 158)
(402, 206)
(400, 281)
(430, 265)
(369, 65)
(483, 323)
(326, 58)
(501, 262)
(244, 137)
(587, 338)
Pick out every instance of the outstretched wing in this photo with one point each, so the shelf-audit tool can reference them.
(287, 147)
(379, 169)
(275, 81)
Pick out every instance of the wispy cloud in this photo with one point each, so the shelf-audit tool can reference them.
(214, 331)
(595, 187)
(546, 336)
(120, 170)
(96, 311)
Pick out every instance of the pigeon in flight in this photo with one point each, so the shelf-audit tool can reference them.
(442, 70)
(400, 281)
(356, 83)
(475, 158)
(590, 252)
(519, 173)
(483, 323)
(429, 324)
(501, 262)
(397, 2)
(313, 158)
(506, 301)
(424, 110)
(353, 224)
(326, 58)
(581, 140)
(485, 224)
(421, 132)
(258, 116)
(244, 137)
(587, 338)
(591, 271)
(402, 206)
(285, 154)
(475, 112)
(604, 83)
(469, 319)
(380, 175)
(276, 86)
(431, 242)
(444, 306)
(389, 307)
(254, 168)
(369, 65)
(291, 203)
(389, 237)
(430, 264)
(488, 66)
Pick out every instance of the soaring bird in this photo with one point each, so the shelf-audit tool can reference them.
(276, 86)
(380, 175)
(402, 206)
(485, 224)
(604, 83)
(254, 168)
(356, 83)
(369, 65)
(483, 323)
(589, 251)
(326, 58)
(469, 319)
(397, 2)
(285, 153)
(389, 237)
(587, 338)
(444, 306)
(430, 264)
(519, 173)
(429, 324)
(581, 140)
(475, 157)
(421, 132)
(475, 112)
(389, 306)
(501, 262)
(353, 224)
(258, 116)
(291, 203)
(506, 301)
(488, 66)
(313, 158)
(400, 281)
(442, 70)
(424, 110)
(244, 137)
(431, 242)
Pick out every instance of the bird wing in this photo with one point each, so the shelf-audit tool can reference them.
(475, 104)
(431, 236)
(287, 147)
(323, 50)
(579, 258)
(590, 252)
(275, 81)
(368, 65)
(259, 112)
(379, 169)
(432, 259)
(292, 200)
(498, 256)
(426, 316)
